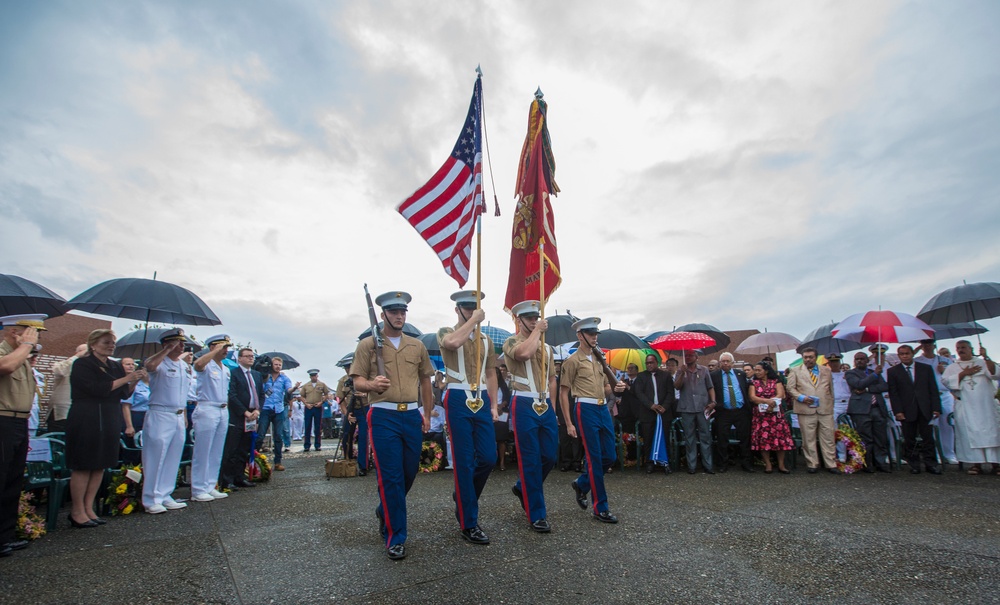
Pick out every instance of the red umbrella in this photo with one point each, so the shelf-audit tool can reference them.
(882, 326)
(682, 341)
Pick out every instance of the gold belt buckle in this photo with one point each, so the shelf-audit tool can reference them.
(539, 406)
(179, 412)
(402, 407)
(600, 401)
(474, 404)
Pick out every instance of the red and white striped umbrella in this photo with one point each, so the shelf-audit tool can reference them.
(882, 326)
(682, 341)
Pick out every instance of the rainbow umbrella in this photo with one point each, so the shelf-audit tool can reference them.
(620, 358)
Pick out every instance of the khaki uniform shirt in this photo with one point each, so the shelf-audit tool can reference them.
(450, 358)
(314, 394)
(584, 377)
(518, 369)
(17, 389)
(404, 367)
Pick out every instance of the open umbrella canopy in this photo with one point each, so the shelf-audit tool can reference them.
(968, 302)
(721, 338)
(959, 330)
(145, 300)
(682, 341)
(823, 341)
(431, 342)
(21, 296)
(560, 329)
(143, 343)
(408, 329)
(882, 326)
(618, 339)
(497, 335)
(768, 342)
(287, 361)
(619, 359)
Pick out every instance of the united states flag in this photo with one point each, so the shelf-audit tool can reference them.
(444, 210)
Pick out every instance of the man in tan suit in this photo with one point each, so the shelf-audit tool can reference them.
(811, 388)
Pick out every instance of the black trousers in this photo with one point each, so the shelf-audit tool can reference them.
(913, 452)
(13, 454)
(647, 429)
(235, 454)
(740, 419)
(872, 428)
(570, 448)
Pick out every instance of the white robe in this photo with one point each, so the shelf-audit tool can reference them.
(977, 417)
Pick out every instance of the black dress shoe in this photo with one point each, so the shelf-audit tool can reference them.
(564, 469)
(245, 483)
(933, 470)
(475, 536)
(514, 489)
(87, 525)
(882, 469)
(6, 551)
(709, 471)
(362, 473)
(606, 517)
(833, 471)
(649, 469)
(667, 470)
(396, 552)
(869, 470)
(749, 469)
(914, 471)
(541, 526)
(581, 498)
(721, 468)
(17, 545)
(813, 471)
(691, 471)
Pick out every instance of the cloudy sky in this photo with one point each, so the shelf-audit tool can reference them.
(744, 164)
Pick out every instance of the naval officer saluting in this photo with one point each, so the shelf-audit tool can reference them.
(583, 375)
(210, 420)
(395, 424)
(536, 431)
(470, 409)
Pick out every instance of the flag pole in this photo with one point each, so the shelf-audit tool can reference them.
(541, 268)
(479, 268)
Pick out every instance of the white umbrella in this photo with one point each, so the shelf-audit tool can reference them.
(767, 343)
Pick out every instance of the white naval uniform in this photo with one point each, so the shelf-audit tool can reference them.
(210, 423)
(163, 431)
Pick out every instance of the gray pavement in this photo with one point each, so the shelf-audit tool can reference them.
(730, 538)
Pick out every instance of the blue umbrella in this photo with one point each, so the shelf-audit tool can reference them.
(497, 335)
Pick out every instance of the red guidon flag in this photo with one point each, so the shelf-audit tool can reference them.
(533, 244)
(444, 210)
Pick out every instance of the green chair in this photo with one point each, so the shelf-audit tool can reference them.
(49, 475)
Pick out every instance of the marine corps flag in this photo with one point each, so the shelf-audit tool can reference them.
(534, 242)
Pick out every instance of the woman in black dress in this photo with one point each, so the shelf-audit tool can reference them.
(502, 427)
(93, 427)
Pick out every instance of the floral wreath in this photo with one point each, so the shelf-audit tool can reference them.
(855, 449)
(125, 491)
(259, 469)
(431, 457)
(30, 525)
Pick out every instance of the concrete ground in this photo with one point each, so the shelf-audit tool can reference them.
(728, 538)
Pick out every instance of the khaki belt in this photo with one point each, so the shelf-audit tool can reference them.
(13, 414)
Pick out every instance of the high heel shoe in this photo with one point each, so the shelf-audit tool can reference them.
(88, 524)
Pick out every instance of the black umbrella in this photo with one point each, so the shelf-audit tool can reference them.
(560, 329)
(287, 361)
(721, 338)
(145, 342)
(146, 300)
(431, 342)
(968, 302)
(408, 329)
(960, 330)
(619, 339)
(823, 341)
(20, 296)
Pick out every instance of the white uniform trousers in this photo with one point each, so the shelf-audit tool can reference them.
(162, 446)
(210, 423)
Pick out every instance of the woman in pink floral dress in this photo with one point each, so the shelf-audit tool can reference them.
(769, 431)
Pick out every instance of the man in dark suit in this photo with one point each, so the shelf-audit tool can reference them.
(628, 406)
(867, 410)
(654, 391)
(246, 393)
(734, 410)
(916, 401)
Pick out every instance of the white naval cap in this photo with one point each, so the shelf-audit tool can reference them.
(393, 300)
(466, 298)
(28, 320)
(527, 307)
(590, 324)
(223, 338)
